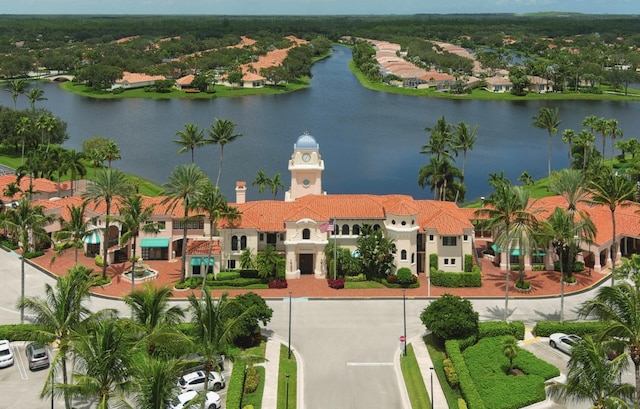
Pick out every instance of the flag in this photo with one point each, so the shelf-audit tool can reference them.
(326, 226)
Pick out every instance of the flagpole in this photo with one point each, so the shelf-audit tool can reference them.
(335, 248)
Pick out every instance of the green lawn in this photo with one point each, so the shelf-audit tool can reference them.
(354, 285)
(418, 395)
(290, 367)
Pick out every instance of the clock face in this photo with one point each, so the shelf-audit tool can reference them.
(306, 157)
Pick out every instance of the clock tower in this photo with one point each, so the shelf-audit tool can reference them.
(306, 166)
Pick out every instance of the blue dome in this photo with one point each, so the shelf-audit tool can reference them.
(306, 141)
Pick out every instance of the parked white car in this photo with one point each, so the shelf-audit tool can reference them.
(194, 381)
(6, 354)
(212, 400)
(563, 342)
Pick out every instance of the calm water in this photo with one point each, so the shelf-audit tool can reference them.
(370, 141)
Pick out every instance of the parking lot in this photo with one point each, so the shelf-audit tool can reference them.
(20, 388)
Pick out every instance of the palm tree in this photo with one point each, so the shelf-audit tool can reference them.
(614, 132)
(111, 153)
(34, 95)
(565, 232)
(275, 184)
(23, 130)
(215, 327)
(440, 140)
(548, 119)
(96, 157)
(154, 382)
(151, 308)
(10, 191)
(72, 160)
(585, 139)
(46, 124)
(108, 185)
(185, 185)
(613, 191)
(136, 217)
(619, 307)
(72, 231)
(103, 358)
(262, 180)
(26, 222)
(190, 138)
(16, 87)
(593, 378)
(464, 138)
(441, 175)
(221, 133)
(568, 135)
(506, 208)
(510, 349)
(601, 125)
(267, 261)
(58, 315)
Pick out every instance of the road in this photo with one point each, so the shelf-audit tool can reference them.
(346, 347)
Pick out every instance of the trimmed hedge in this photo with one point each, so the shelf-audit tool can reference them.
(457, 279)
(238, 282)
(235, 386)
(33, 254)
(468, 263)
(249, 273)
(228, 275)
(450, 373)
(581, 328)
(433, 260)
(467, 387)
(501, 328)
(404, 275)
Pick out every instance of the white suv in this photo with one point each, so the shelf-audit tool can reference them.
(194, 381)
(212, 400)
(6, 354)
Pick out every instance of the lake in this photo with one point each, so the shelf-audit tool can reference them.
(370, 141)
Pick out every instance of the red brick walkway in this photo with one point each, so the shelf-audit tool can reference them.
(543, 283)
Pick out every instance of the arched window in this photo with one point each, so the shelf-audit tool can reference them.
(345, 230)
(306, 234)
(413, 258)
(234, 243)
(243, 242)
(403, 255)
(336, 229)
(376, 227)
(356, 230)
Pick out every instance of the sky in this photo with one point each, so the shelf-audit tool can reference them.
(314, 7)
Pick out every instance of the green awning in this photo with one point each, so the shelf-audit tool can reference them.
(516, 252)
(93, 238)
(154, 242)
(198, 261)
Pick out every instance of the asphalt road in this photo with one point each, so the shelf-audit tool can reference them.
(346, 347)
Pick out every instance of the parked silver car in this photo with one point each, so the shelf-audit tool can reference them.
(563, 342)
(37, 356)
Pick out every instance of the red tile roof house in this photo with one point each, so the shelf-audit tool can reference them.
(42, 188)
(296, 227)
(136, 80)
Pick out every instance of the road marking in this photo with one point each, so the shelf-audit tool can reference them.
(530, 341)
(369, 363)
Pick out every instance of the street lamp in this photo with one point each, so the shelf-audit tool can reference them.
(404, 316)
(289, 325)
(51, 387)
(431, 368)
(287, 392)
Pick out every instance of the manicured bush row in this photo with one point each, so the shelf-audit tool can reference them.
(235, 387)
(467, 387)
(249, 273)
(578, 266)
(488, 368)
(9, 245)
(450, 373)
(581, 328)
(251, 380)
(227, 275)
(501, 328)
(457, 279)
(238, 282)
(468, 263)
(392, 282)
(33, 254)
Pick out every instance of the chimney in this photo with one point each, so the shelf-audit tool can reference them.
(241, 192)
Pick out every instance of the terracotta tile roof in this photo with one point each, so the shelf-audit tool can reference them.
(39, 185)
(186, 80)
(201, 247)
(136, 77)
(59, 206)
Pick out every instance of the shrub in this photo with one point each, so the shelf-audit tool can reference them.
(462, 404)
(235, 387)
(404, 276)
(10, 245)
(238, 282)
(251, 380)
(247, 407)
(249, 273)
(228, 275)
(337, 284)
(450, 373)
(100, 281)
(450, 317)
(98, 260)
(578, 266)
(468, 263)
(457, 280)
(538, 267)
(581, 328)
(433, 261)
(278, 283)
(467, 387)
(523, 285)
(180, 285)
(33, 254)
(392, 279)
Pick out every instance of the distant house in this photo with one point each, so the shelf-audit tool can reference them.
(131, 80)
(185, 82)
(498, 84)
(539, 84)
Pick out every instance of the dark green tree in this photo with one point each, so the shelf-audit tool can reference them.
(450, 317)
